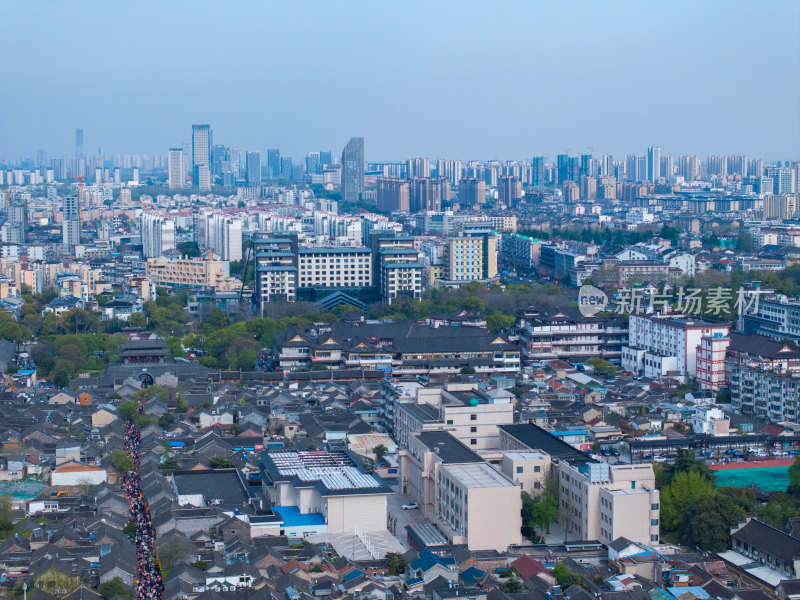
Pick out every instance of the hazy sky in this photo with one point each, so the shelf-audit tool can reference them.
(470, 80)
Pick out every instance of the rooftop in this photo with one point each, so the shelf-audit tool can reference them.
(449, 449)
(479, 475)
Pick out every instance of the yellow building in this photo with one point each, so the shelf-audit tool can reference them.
(190, 272)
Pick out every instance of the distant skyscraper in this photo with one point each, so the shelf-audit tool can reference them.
(325, 158)
(687, 167)
(418, 167)
(449, 169)
(585, 168)
(653, 163)
(509, 190)
(79, 143)
(393, 194)
(253, 168)
(667, 167)
(71, 224)
(717, 165)
(313, 165)
(608, 165)
(201, 150)
(353, 170)
(176, 176)
(737, 165)
(537, 171)
(274, 163)
(202, 178)
(286, 167)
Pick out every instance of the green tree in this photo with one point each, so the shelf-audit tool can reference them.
(6, 516)
(684, 462)
(497, 322)
(707, 522)
(468, 370)
(544, 512)
(567, 578)
(129, 529)
(165, 420)
(180, 405)
(684, 491)
(173, 550)
(137, 319)
(169, 464)
(121, 461)
(380, 451)
(221, 462)
(128, 409)
(794, 477)
(396, 563)
(511, 586)
(115, 587)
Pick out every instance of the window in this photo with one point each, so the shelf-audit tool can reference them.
(520, 469)
(654, 522)
(633, 485)
(654, 506)
(537, 469)
(473, 442)
(473, 429)
(473, 417)
(449, 421)
(654, 538)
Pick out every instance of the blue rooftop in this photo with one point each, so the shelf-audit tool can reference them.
(293, 518)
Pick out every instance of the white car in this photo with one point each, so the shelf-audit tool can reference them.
(410, 506)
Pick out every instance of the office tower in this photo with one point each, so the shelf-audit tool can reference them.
(313, 165)
(79, 143)
(687, 167)
(253, 168)
(235, 162)
(537, 171)
(509, 190)
(41, 159)
(756, 167)
(325, 158)
(653, 163)
(428, 194)
(393, 194)
(471, 191)
(717, 165)
(353, 170)
(201, 151)
(202, 178)
(71, 223)
(783, 179)
(450, 170)
(585, 168)
(667, 167)
(286, 167)
(737, 165)
(562, 167)
(641, 167)
(274, 163)
(157, 233)
(418, 167)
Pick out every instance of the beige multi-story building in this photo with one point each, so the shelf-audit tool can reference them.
(190, 272)
(471, 191)
(529, 469)
(464, 257)
(597, 501)
(472, 416)
(451, 482)
(337, 267)
(509, 190)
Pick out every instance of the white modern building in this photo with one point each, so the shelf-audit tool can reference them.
(158, 234)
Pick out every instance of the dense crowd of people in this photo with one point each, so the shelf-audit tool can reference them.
(148, 581)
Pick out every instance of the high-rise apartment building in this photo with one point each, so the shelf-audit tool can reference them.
(667, 167)
(783, 179)
(428, 194)
(717, 165)
(738, 164)
(157, 233)
(201, 151)
(653, 163)
(353, 170)
(253, 168)
(176, 176)
(418, 167)
(79, 143)
(471, 191)
(393, 194)
(687, 167)
(71, 224)
(509, 190)
(450, 170)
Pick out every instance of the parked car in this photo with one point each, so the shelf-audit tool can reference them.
(410, 506)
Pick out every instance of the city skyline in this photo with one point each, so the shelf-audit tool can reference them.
(580, 82)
